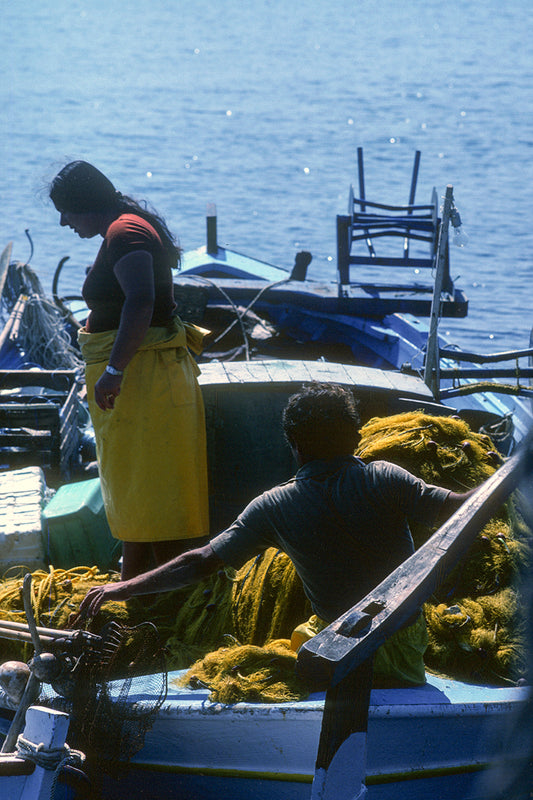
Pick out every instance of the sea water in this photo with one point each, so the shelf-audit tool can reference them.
(259, 107)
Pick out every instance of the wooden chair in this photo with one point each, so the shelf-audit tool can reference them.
(367, 222)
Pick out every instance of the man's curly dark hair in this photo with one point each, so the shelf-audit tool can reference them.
(322, 421)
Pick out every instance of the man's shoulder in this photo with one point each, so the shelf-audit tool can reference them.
(388, 467)
(275, 492)
(387, 472)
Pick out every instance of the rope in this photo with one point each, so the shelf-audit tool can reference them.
(53, 758)
(239, 316)
(252, 303)
(487, 386)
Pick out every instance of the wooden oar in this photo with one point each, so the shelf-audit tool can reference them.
(341, 655)
(31, 691)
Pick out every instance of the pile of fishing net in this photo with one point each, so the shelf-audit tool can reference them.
(476, 630)
(35, 325)
(56, 595)
(235, 627)
(91, 680)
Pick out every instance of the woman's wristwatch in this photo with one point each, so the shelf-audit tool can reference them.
(112, 371)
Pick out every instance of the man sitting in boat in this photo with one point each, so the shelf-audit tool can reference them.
(343, 523)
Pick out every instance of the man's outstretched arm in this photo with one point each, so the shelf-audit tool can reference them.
(453, 502)
(188, 568)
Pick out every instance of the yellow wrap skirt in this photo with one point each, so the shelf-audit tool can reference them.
(151, 446)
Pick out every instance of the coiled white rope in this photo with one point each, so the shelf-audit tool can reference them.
(49, 758)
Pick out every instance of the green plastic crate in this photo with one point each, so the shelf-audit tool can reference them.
(75, 528)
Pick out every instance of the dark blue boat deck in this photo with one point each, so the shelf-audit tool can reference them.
(366, 299)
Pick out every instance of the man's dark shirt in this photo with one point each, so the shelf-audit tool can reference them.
(344, 525)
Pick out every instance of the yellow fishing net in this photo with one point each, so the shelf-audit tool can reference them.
(234, 627)
(55, 598)
(474, 623)
(249, 673)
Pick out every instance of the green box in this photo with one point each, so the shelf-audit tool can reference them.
(75, 528)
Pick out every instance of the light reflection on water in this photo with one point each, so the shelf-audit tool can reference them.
(260, 108)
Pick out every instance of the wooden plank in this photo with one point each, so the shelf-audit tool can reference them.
(249, 288)
(481, 373)
(345, 711)
(281, 372)
(37, 415)
(257, 372)
(11, 765)
(331, 655)
(340, 767)
(301, 372)
(305, 371)
(484, 358)
(212, 374)
(370, 300)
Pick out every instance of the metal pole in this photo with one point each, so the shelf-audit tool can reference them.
(431, 370)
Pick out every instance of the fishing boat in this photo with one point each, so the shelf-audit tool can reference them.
(256, 310)
(432, 740)
(42, 414)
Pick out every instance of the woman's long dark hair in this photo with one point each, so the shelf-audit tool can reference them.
(81, 188)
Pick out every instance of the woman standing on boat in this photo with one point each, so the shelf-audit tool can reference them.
(144, 398)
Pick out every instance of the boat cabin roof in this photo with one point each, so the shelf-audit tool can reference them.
(244, 400)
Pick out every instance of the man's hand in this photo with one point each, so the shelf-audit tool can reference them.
(98, 595)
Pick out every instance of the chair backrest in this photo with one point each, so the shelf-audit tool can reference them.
(360, 231)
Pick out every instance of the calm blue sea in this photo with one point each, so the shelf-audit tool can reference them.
(259, 107)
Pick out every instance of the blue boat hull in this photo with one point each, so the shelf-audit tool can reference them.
(429, 741)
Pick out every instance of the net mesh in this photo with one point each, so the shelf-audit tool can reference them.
(110, 712)
(35, 324)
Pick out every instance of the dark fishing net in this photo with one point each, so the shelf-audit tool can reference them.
(111, 724)
(35, 324)
(111, 706)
